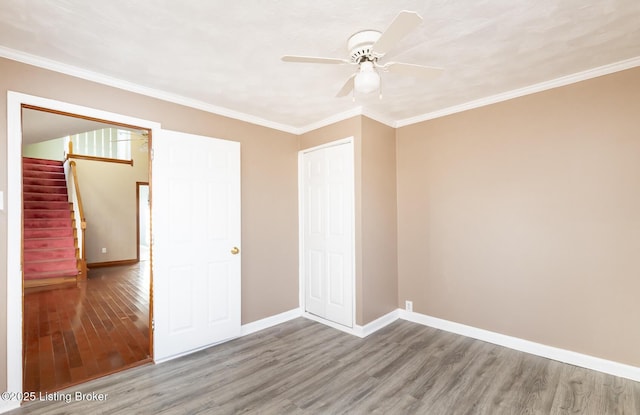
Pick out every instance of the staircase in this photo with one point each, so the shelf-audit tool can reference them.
(49, 242)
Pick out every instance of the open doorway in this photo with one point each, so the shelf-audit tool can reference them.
(98, 323)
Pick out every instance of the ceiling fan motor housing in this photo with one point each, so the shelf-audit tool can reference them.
(360, 43)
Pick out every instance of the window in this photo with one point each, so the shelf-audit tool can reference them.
(110, 143)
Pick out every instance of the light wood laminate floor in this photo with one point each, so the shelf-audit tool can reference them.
(303, 367)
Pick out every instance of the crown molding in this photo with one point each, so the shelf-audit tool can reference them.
(345, 115)
(360, 110)
(77, 72)
(378, 117)
(531, 89)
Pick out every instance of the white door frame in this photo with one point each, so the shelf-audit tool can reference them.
(14, 213)
(355, 330)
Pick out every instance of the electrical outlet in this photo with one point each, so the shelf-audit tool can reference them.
(104, 250)
(408, 305)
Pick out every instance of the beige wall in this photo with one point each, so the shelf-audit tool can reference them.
(379, 244)
(50, 149)
(523, 217)
(108, 193)
(269, 183)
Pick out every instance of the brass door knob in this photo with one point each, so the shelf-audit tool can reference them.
(235, 250)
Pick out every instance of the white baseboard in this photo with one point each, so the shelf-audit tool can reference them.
(377, 324)
(6, 406)
(271, 321)
(566, 356)
(561, 355)
(356, 330)
(349, 330)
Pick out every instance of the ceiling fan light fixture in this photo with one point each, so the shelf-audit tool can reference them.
(367, 80)
(366, 49)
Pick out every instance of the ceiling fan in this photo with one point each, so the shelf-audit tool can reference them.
(142, 136)
(366, 48)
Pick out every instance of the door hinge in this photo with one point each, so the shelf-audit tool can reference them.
(153, 324)
(152, 153)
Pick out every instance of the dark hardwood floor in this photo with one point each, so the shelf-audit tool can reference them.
(303, 367)
(73, 334)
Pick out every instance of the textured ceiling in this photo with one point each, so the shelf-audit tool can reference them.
(227, 54)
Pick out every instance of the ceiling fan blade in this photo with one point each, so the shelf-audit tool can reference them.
(419, 71)
(347, 87)
(313, 59)
(404, 22)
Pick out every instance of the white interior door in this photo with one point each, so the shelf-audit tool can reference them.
(196, 228)
(327, 215)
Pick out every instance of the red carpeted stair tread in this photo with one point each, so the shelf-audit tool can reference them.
(71, 272)
(44, 175)
(39, 243)
(45, 197)
(46, 213)
(39, 188)
(68, 252)
(35, 167)
(37, 204)
(50, 264)
(48, 233)
(47, 223)
(33, 160)
(38, 181)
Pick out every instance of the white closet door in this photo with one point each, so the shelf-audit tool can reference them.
(196, 228)
(327, 216)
